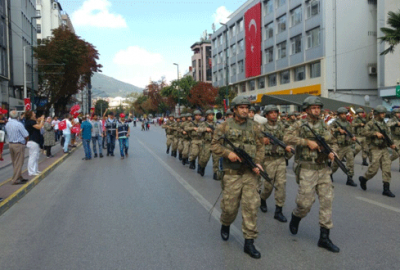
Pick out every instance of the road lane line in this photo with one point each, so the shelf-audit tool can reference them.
(397, 210)
(235, 232)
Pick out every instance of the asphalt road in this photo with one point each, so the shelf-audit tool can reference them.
(150, 212)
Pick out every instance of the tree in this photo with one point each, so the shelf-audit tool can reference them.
(100, 107)
(391, 35)
(179, 89)
(222, 95)
(66, 64)
(202, 95)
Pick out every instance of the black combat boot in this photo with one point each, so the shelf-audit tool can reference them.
(332, 177)
(192, 165)
(250, 249)
(350, 181)
(202, 170)
(198, 169)
(278, 215)
(183, 161)
(215, 176)
(365, 163)
(175, 153)
(386, 190)
(363, 182)
(167, 150)
(180, 156)
(225, 232)
(263, 206)
(287, 162)
(172, 153)
(294, 224)
(325, 242)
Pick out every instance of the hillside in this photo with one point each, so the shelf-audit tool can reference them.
(111, 87)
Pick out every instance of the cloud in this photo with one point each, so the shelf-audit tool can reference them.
(96, 13)
(134, 55)
(221, 15)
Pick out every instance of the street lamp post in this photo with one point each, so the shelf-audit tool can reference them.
(33, 84)
(226, 64)
(179, 91)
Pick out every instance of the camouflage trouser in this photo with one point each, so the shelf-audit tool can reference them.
(180, 145)
(345, 151)
(379, 158)
(363, 146)
(195, 149)
(311, 182)
(394, 155)
(205, 155)
(236, 189)
(170, 139)
(175, 143)
(276, 170)
(186, 148)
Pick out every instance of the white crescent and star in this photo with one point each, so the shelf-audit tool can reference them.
(253, 22)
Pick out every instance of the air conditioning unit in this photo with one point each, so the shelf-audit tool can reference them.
(372, 70)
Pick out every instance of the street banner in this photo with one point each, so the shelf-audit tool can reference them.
(27, 102)
(252, 19)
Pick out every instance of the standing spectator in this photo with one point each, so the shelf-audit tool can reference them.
(134, 121)
(111, 126)
(17, 137)
(49, 138)
(67, 132)
(86, 135)
(74, 121)
(97, 135)
(3, 120)
(54, 123)
(2, 131)
(33, 126)
(143, 123)
(123, 136)
(103, 125)
(22, 118)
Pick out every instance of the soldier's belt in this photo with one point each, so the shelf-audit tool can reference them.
(273, 157)
(235, 172)
(313, 166)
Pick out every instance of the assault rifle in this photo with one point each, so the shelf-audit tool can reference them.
(351, 135)
(326, 149)
(247, 159)
(194, 124)
(387, 139)
(274, 140)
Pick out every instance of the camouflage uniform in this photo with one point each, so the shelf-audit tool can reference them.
(394, 125)
(239, 184)
(358, 127)
(206, 148)
(180, 138)
(175, 134)
(196, 142)
(185, 142)
(169, 131)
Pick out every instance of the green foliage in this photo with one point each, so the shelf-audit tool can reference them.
(222, 95)
(391, 35)
(100, 107)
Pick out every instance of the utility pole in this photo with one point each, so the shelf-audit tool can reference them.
(226, 65)
(179, 91)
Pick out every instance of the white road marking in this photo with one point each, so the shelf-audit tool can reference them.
(397, 210)
(235, 232)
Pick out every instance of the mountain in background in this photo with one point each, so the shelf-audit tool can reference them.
(105, 86)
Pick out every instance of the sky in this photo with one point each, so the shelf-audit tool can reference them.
(140, 40)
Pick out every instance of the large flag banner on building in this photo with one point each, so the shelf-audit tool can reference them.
(252, 19)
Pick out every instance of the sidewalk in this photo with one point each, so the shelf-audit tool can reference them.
(13, 193)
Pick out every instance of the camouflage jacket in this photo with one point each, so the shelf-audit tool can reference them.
(357, 125)
(169, 127)
(182, 129)
(393, 124)
(371, 129)
(342, 139)
(190, 128)
(207, 136)
(278, 131)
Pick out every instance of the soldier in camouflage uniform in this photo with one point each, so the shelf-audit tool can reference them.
(312, 170)
(345, 144)
(394, 125)
(186, 140)
(229, 113)
(180, 135)
(168, 126)
(207, 129)
(240, 183)
(274, 163)
(175, 134)
(197, 140)
(252, 112)
(379, 154)
(358, 124)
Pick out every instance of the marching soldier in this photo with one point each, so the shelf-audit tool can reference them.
(175, 134)
(312, 170)
(240, 183)
(274, 163)
(229, 113)
(379, 154)
(196, 138)
(207, 129)
(180, 135)
(291, 119)
(252, 112)
(358, 124)
(394, 125)
(345, 144)
(168, 126)
(186, 140)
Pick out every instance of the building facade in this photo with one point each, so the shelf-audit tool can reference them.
(51, 17)
(66, 21)
(4, 53)
(201, 61)
(321, 47)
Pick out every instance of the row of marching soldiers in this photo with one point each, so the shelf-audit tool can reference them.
(318, 150)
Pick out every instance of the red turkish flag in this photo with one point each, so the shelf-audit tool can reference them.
(252, 19)
(27, 102)
(62, 125)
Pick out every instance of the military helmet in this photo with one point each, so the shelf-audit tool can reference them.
(189, 115)
(171, 115)
(380, 109)
(342, 110)
(396, 110)
(252, 109)
(228, 112)
(359, 110)
(240, 100)
(209, 112)
(270, 108)
(312, 100)
(197, 112)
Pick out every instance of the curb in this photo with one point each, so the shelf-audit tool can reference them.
(20, 193)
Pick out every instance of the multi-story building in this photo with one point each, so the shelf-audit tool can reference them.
(201, 61)
(4, 53)
(51, 17)
(66, 21)
(321, 47)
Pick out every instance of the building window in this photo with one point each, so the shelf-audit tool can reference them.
(269, 7)
(261, 83)
(39, 28)
(315, 69)
(233, 50)
(220, 40)
(312, 8)
(280, 3)
(299, 73)
(296, 44)
(295, 16)
(241, 46)
(284, 108)
(281, 50)
(233, 31)
(240, 26)
(269, 30)
(285, 77)
(313, 38)
(220, 74)
(215, 43)
(233, 69)
(269, 55)
(252, 85)
(272, 80)
(243, 87)
(240, 67)
(281, 24)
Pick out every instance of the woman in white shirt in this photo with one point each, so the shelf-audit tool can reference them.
(67, 132)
